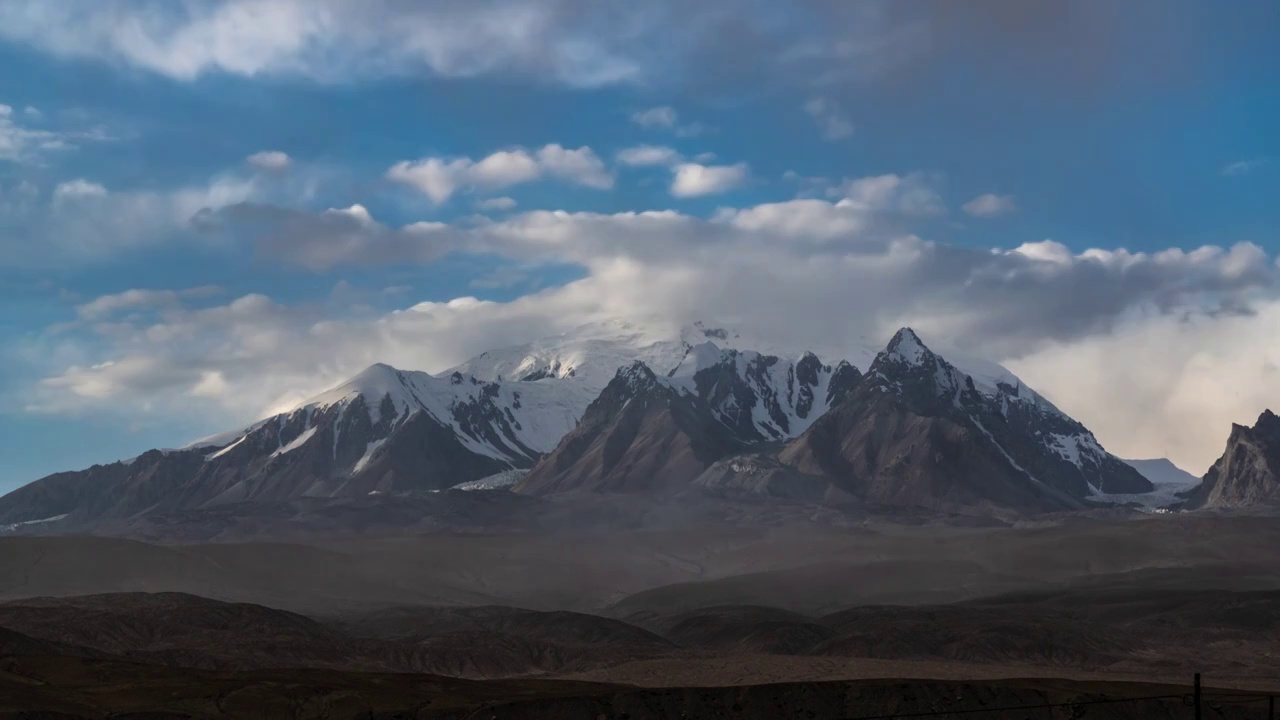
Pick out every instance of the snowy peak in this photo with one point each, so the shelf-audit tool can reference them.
(634, 386)
(588, 355)
(375, 384)
(697, 358)
(1045, 444)
(508, 425)
(908, 367)
(636, 378)
(906, 346)
(644, 433)
(763, 397)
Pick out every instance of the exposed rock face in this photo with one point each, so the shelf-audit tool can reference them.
(918, 431)
(641, 435)
(763, 474)
(762, 397)
(881, 450)
(1248, 473)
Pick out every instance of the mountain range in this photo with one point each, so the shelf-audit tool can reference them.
(616, 408)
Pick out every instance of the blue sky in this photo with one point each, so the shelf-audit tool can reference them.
(834, 161)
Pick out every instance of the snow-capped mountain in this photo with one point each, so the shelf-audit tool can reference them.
(591, 354)
(644, 433)
(760, 396)
(395, 431)
(384, 431)
(1057, 449)
(511, 422)
(915, 431)
(763, 397)
(920, 431)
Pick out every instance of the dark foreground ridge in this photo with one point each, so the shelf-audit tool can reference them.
(185, 656)
(61, 688)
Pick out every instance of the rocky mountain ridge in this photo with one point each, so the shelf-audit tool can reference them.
(1248, 473)
(915, 431)
(389, 431)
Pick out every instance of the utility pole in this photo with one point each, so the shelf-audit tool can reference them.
(1271, 707)
(1197, 696)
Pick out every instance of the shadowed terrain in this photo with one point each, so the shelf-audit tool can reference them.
(348, 626)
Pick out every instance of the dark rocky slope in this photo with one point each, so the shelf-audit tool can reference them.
(1248, 473)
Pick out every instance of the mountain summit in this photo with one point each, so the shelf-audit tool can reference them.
(1248, 473)
(921, 432)
(643, 434)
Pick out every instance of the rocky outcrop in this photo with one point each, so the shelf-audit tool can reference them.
(919, 432)
(763, 397)
(1248, 473)
(641, 435)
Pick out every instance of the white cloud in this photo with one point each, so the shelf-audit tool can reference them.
(1243, 167)
(1166, 385)
(81, 221)
(436, 178)
(503, 277)
(803, 219)
(649, 156)
(107, 305)
(22, 142)
(713, 47)
(914, 194)
(666, 118)
(327, 40)
(272, 160)
(694, 180)
(75, 189)
(831, 120)
(580, 166)
(336, 236)
(497, 203)
(501, 169)
(440, 178)
(656, 117)
(990, 205)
